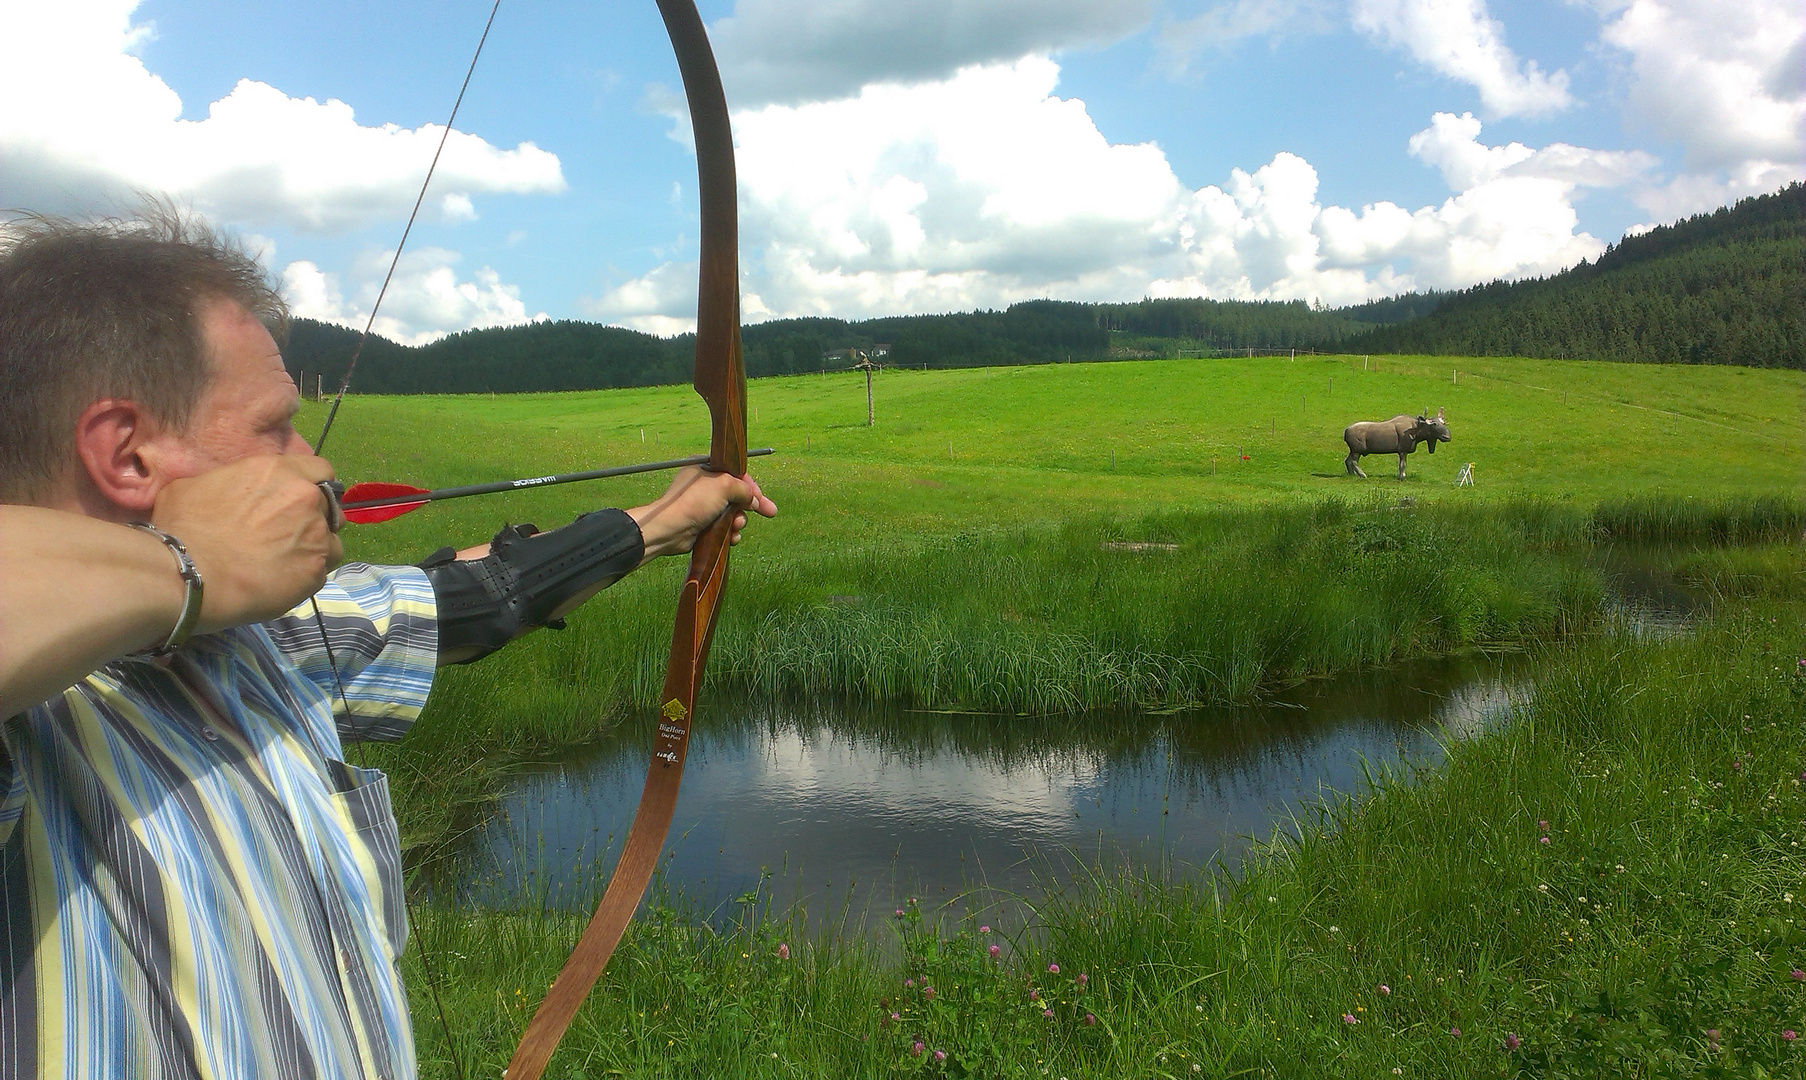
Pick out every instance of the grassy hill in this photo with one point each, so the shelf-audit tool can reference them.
(1727, 287)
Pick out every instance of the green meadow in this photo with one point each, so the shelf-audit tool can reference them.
(988, 447)
(1170, 534)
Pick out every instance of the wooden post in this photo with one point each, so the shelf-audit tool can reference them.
(870, 417)
(319, 379)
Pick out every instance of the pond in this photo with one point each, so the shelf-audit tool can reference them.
(842, 810)
(846, 809)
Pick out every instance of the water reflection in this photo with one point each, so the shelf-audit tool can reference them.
(857, 806)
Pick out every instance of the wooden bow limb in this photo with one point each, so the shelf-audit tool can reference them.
(720, 379)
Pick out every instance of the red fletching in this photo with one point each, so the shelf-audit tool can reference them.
(370, 491)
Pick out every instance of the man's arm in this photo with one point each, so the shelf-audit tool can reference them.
(77, 593)
(491, 594)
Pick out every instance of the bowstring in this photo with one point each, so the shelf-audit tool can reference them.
(358, 349)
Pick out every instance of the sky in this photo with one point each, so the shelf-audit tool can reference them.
(903, 156)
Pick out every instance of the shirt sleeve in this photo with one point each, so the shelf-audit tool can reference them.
(12, 791)
(381, 637)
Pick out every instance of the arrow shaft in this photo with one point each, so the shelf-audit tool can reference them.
(534, 482)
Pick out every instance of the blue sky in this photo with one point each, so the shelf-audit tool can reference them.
(906, 155)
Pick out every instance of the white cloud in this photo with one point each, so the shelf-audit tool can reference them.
(796, 51)
(1724, 79)
(661, 302)
(1224, 25)
(988, 188)
(1451, 143)
(425, 301)
(1461, 39)
(84, 123)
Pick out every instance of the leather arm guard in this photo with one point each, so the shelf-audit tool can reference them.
(527, 575)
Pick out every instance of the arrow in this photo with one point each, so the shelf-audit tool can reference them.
(376, 500)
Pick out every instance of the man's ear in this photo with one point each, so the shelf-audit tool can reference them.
(116, 441)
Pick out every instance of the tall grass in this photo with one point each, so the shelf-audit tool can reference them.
(1178, 609)
(1606, 887)
(1701, 521)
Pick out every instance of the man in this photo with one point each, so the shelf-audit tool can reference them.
(192, 880)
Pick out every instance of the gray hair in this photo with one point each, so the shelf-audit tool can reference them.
(108, 308)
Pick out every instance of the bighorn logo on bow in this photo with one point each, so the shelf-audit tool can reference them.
(721, 380)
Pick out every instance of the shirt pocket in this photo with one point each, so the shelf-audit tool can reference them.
(362, 801)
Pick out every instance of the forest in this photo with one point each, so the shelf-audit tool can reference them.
(1728, 287)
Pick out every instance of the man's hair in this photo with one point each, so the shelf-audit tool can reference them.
(107, 309)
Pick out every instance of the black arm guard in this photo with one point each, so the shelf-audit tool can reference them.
(486, 603)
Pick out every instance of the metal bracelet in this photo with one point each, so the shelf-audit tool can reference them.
(191, 598)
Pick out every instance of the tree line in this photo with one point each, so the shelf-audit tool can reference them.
(1727, 287)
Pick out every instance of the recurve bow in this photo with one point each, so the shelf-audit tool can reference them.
(721, 380)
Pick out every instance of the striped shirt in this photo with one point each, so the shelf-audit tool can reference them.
(192, 882)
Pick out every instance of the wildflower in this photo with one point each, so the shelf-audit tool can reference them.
(1083, 978)
(1385, 991)
(909, 983)
(1053, 969)
(1090, 1021)
(1275, 899)
(1349, 1018)
(1396, 1071)
(940, 1055)
(1455, 1032)
(1797, 975)
(984, 929)
(928, 992)
(899, 913)
(1047, 1013)
(995, 950)
(1790, 1035)
(1711, 1034)
(783, 951)
(1512, 1042)
(1335, 930)
(1542, 840)
(1736, 766)
(917, 1048)
(895, 1017)
(1034, 995)
(1542, 826)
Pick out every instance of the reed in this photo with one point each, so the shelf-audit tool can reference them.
(1751, 520)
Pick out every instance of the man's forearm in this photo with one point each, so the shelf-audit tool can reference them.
(75, 594)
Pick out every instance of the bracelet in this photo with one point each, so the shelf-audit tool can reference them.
(191, 598)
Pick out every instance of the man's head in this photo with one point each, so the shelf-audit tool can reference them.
(133, 353)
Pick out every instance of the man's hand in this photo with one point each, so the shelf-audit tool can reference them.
(257, 531)
(695, 500)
